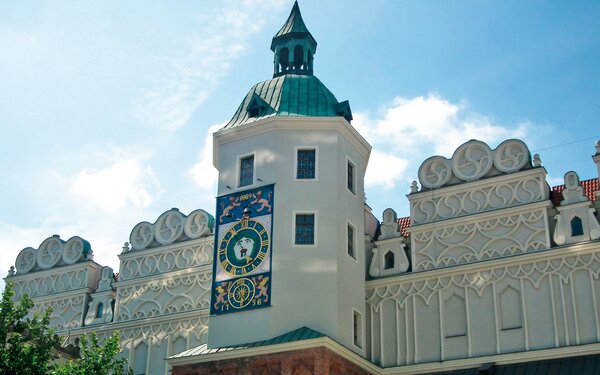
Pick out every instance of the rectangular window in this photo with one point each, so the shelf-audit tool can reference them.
(305, 229)
(247, 170)
(350, 175)
(306, 164)
(357, 329)
(350, 233)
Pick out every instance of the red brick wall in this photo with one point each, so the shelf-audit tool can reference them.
(315, 361)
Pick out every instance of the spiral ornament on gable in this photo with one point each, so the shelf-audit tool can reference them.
(171, 226)
(473, 161)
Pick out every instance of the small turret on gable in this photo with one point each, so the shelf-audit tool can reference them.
(576, 202)
(389, 254)
(575, 221)
(596, 158)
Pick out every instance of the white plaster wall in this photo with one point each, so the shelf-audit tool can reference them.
(534, 301)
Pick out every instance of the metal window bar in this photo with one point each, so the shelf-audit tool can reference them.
(350, 177)
(305, 229)
(247, 171)
(306, 164)
(350, 241)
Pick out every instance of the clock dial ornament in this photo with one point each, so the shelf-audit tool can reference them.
(243, 247)
(241, 293)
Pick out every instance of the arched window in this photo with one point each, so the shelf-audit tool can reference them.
(284, 59)
(298, 57)
(576, 226)
(99, 310)
(388, 260)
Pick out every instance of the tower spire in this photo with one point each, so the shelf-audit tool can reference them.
(294, 46)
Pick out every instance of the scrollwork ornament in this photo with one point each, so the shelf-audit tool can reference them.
(74, 250)
(198, 224)
(141, 236)
(435, 172)
(472, 160)
(50, 252)
(26, 260)
(511, 155)
(169, 227)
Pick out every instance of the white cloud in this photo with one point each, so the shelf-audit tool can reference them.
(555, 181)
(384, 170)
(112, 188)
(194, 76)
(409, 130)
(14, 239)
(203, 173)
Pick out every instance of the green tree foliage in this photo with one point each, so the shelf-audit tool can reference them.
(29, 347)
(96, 359)
(26, 343)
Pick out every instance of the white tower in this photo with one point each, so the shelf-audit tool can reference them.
(292, 132)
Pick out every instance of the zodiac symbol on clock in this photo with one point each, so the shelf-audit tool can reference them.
(221, 293)
(264, 202)
(233, 203)
(261, 285)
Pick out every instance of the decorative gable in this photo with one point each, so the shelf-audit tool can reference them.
(575, 221)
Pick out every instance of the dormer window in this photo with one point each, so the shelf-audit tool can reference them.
(257, 106)
(254, 112)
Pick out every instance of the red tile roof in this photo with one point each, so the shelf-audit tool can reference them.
(403, 223)
(589, 186)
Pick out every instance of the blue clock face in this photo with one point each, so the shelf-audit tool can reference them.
(243, 247)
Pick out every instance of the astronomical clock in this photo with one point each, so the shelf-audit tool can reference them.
(242, 259)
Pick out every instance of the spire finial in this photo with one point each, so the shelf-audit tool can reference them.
(294, 46)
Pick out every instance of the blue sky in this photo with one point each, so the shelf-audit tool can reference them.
(106, 107)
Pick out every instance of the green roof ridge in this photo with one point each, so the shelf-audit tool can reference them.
(299, 334)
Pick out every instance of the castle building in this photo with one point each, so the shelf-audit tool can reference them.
(293, 274)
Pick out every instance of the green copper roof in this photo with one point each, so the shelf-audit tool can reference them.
(289, 95)
(294, 27)
(299, 334)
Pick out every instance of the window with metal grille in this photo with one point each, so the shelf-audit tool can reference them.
(247, 170)
(350, 233)
(305, 167)
(305, 229)
(357, 329)
(350, 175)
